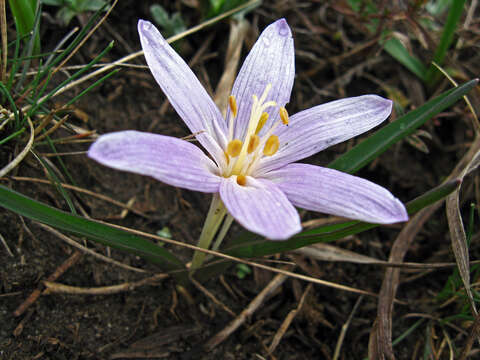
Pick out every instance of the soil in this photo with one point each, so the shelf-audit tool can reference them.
(164, 321)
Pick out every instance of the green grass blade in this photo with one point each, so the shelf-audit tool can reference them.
(250, 245)
(454, 14)
(91, 229)
(23, 12)
(369, 149)
(395, 48)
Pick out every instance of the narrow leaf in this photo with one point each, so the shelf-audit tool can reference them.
(369, 149)
(91, 229)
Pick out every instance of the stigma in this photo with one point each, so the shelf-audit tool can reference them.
(243, 155)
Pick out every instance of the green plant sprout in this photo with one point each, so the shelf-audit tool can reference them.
(71, 8)
(429, 74)
(171, 24)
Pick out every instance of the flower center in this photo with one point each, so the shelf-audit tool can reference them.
(243, 155)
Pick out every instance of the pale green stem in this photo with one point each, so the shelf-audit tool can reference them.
(215, 215)
(223, 231)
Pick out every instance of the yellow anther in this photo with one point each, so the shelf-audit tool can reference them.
(284, 115)
(234, 147)
(271, 146)
(253, 143)
(241, 180)
(261, 122)
(232, 102)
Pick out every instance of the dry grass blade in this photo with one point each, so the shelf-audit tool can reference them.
(83, 191)
(11, 165)
(326, 252)
(474, 334)
(380, 344)
(134, 55)
(247, 262)
(457, 233)
(345, 326)
(288, 320)
(53, 287)
(88, 251)
(247, 312)
(238, 30)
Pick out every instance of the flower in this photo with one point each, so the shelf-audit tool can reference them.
(253, 149)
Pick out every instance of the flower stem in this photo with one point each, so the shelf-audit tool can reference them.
(223, 231)
(215, 215)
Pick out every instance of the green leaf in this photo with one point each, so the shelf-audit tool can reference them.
(253, 246)
(396, 49)
(160, 15)
(53, 2)
(23, 12)
(369, 149)
(91, 229)
(454, 14)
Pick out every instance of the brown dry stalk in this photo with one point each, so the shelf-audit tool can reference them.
(18, 159)
(380, 344)
(246, 313)
(54, 276)
(89, 251)
(243, 261)
(53, 287)
(288, 320)
(212, 297)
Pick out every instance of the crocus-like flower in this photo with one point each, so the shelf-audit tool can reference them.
(252, 149)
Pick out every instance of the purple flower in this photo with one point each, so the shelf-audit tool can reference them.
(253, 148)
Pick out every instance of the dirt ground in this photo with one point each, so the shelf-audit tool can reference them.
(335, 58)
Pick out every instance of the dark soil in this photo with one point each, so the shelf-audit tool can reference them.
(162, 320)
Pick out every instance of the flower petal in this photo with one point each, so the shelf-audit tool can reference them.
(173, 161)
(261, 207)
(317, 128)
(333, 192)
(183, 90)
(271, 61)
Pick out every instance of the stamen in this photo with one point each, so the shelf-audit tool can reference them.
(284, 115)
(227, 157)
(234, 147)
(241, 180)
(261, 122)
(232, 102)
(253, 143)
(271, 146)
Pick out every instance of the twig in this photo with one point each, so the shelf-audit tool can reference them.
(2, 240)
(345, 326)
(288, 320)
(53, 287)
(247, 262)
(87, 250)
(140, 52)
(246, 313)
(56, 274)
(212, 297)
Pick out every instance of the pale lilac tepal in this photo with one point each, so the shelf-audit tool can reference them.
(251, 152)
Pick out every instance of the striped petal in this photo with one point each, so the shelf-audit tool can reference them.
(317, 128)
(260, 207)
(271, 61)
(173, 161)
(183, 90)
(333, 192)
